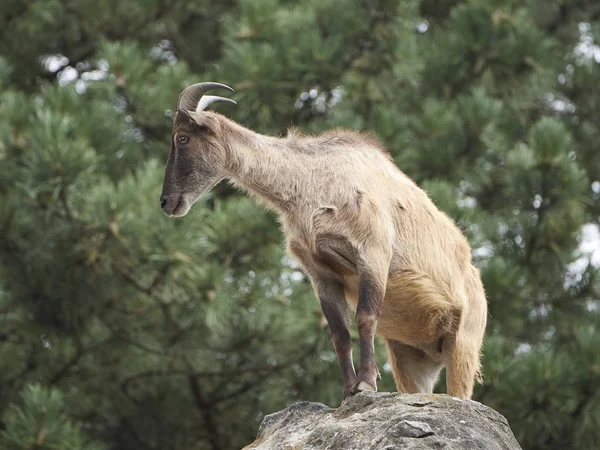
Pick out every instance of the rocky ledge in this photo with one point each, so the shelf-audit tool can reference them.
(386, 421)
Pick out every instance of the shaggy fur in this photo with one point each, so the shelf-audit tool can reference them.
(368, 237)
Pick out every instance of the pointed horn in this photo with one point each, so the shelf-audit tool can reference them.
(208, 99)
(191, 95)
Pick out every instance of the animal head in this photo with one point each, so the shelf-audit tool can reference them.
(197, 158)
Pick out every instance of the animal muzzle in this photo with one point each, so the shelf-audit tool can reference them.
(173, 204)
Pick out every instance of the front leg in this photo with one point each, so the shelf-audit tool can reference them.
(372, 266)
(337, 256)
(370, 299)
(334, 307)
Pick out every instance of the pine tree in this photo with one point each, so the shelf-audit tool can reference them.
(41, 425)
(147, 332)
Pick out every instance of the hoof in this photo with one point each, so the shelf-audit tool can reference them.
(364, 386)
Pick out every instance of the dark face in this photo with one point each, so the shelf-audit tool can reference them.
(196, 162)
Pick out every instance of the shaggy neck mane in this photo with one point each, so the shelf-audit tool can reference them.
(274, 168)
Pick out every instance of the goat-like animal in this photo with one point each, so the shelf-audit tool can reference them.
(366, 235)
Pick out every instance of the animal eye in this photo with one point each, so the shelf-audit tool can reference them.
(182, 139)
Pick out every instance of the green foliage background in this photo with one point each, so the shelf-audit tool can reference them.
(123, 329)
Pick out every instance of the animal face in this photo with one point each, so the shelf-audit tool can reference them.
(196, 161)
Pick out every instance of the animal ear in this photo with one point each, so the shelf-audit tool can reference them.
(184, 115)
(202, 121)
(205, 122)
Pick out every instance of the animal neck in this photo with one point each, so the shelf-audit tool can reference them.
(264, 166)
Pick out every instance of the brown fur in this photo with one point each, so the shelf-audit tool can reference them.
(367, 236)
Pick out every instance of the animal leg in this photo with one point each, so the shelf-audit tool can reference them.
(370, 298)
(460, 351)
(461, 348)
(371, 265)
(335, 309)
(414, 370)
(462, 368)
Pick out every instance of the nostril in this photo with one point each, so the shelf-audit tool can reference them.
(163, 202)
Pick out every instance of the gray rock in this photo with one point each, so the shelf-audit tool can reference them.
(386, 421)
(411, 428)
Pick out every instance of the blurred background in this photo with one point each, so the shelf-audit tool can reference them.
(123, 329)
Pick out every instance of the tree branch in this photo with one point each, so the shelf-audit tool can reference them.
(150, 291)
(79, 353)
(204, 409)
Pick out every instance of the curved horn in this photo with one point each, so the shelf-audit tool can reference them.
(208, 99)
(191, 95)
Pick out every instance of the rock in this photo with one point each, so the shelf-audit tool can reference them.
(386, 421)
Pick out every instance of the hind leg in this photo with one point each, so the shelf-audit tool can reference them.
(462, 346)
(414, 370)
(462, 368)
(460, 352)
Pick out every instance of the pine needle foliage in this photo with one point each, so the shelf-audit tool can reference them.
(123, 329)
